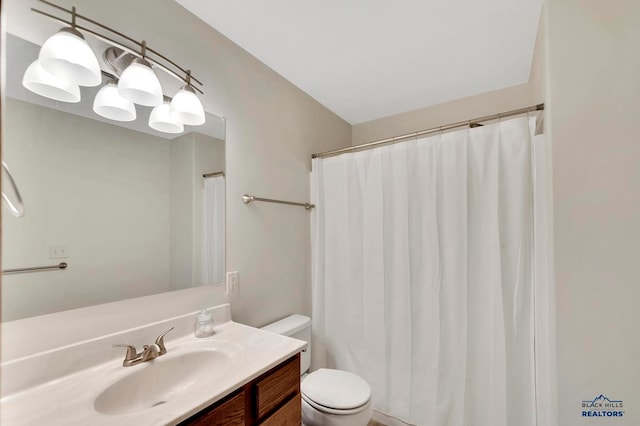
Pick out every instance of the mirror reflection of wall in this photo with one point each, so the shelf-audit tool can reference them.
(124, 208)
(192, 235)
(213, 221)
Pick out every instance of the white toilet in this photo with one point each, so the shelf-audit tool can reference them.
(329, 397)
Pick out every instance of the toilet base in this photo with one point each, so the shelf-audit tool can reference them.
(314, 417)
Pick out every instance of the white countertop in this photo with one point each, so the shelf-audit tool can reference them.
(70, 399)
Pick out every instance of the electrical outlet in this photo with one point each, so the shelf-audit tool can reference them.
(58, 251)
(233, 282)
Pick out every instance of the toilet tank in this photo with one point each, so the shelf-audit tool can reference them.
(298, 327)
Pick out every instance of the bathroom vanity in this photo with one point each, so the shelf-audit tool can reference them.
(271, 399)
(240, 375)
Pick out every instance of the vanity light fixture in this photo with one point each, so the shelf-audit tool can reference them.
(43, 83)
(186, 105)
(67, 61)
(163, 120)
(67, 55)
(139, 84)
(108, 103)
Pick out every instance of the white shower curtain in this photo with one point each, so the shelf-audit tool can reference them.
(213, 264)
(423, 275)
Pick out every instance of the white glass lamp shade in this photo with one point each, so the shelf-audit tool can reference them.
(187, 107)
(109, 104)
(43, 83)
(162, 120)
(139, 84)
(67, 55)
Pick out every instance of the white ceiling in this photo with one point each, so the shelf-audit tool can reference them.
(366, 59)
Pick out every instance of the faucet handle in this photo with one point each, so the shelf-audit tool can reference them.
(160, 342)
(132, 352)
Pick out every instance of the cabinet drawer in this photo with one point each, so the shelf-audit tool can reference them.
(277, 386)
(226, 413)
(288, 415)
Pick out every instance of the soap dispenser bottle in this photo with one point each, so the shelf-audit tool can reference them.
(204, 324)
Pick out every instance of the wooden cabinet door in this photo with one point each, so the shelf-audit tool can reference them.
(280, 384)
(290, 414)
(227, 413)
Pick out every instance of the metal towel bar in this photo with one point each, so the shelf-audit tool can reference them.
(61, 265)
(249, 198)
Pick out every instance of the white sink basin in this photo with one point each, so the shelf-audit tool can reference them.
(192, 375)
(167, 377)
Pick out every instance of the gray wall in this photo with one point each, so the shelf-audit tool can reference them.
(594, 87)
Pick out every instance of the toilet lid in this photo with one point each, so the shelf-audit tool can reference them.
(336, 389)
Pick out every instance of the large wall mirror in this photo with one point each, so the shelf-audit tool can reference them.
(132, 211)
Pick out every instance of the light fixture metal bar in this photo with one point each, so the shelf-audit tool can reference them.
(109, 75)
(471, 123)
(132, 40)
(188, 81)
(120, 45)
(55, 6)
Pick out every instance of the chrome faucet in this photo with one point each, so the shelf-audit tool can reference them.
(148, 353)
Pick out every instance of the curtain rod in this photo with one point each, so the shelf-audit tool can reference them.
(471, 123)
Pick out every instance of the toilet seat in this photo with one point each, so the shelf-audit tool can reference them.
(336, 392)
(329, 410)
